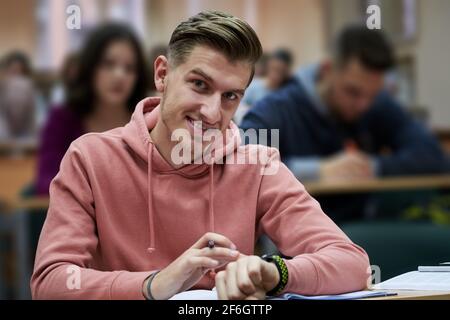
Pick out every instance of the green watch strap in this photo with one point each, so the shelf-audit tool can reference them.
(283, 271)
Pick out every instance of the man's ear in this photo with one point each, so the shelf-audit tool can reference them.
(161, 68)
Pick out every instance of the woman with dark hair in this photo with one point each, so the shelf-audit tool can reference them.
(110, 81)
(66, 79)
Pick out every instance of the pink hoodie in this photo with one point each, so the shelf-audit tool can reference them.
(119, 211)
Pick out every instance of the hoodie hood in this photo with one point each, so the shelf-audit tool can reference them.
(137, 137)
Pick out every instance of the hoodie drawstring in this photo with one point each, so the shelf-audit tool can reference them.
(151, 219)
(143, 120)
(211, 197)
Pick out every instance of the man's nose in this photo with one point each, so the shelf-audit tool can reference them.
(210, 110)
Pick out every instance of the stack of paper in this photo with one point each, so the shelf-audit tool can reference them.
(344, 296)
(212, 295)
(196, 295)
(415, 280)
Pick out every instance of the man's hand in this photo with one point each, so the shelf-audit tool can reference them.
(347, 166)
(248, 278)
(192, 265)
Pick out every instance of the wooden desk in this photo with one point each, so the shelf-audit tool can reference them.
(316, 188)
(376, 185)
(18, 146)
(415, 295)
(35, 203)
(15, 173)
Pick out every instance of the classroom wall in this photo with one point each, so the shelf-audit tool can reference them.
(17, 26)
(296, 24)
(433, 61)
(277, 23)
(339, 13)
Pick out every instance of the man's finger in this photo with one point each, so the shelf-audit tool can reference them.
(219, 253)
(221, 286)
(202, 262)
(233, 292)
(219, 240)
(254, 270)
(245, 284)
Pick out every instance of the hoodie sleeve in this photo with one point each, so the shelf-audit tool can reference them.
(69, 240)
(324, 260)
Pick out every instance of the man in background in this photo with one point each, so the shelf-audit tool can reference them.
(336, 122)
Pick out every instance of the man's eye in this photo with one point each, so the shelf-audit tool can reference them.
(230, 96)
(199, 84)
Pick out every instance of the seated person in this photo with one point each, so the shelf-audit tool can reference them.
(18, 103)
(335, 121)
(278, 72)
(17, 109)
(128, 220)
(110, 80)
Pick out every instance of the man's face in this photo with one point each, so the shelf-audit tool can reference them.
(352, 89)
(207, 87)
(15, 69)
(277, 72)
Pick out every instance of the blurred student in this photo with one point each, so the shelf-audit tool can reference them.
(17, 98)
(335, 119)
(131, 222)
(110, 80)
(16, 64)
(261, 66)
(277, 73)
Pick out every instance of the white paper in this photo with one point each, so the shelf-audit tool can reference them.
(196, 295)
(344, 296)
(212, 295)
(415, 280)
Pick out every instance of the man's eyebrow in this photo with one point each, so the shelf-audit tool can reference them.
(241, 92)
(201, 73)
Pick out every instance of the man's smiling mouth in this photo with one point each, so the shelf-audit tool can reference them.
(198, 124)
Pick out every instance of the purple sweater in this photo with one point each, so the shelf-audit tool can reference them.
(63, 126)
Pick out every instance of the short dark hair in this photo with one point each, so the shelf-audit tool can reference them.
(370, 47)
(284, 55)
(221, 31)
(19, 57)
(81, 94)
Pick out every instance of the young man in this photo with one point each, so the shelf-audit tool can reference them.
(337, 122)
(128, 221)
